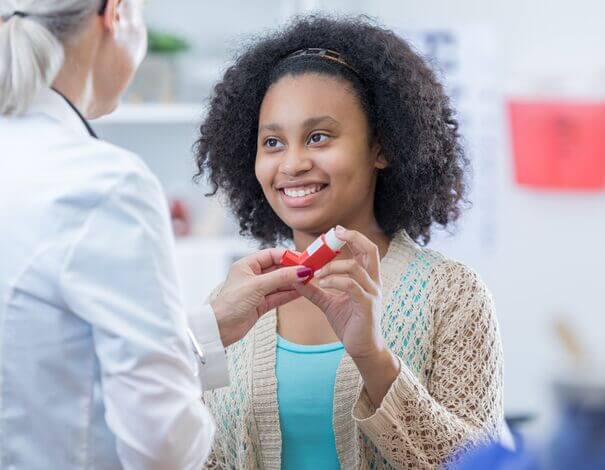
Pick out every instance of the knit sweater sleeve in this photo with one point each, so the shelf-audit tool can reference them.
(420, 426)
(214, 461)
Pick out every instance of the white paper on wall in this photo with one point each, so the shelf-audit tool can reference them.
(464, 60)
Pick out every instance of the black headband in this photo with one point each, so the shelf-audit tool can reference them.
(325, 54)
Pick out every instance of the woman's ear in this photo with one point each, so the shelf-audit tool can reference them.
(380, 162)
(111, 15)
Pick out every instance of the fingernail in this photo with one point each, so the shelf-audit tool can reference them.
(304, 272)
(340, 230)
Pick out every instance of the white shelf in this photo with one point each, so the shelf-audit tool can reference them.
(155, 113)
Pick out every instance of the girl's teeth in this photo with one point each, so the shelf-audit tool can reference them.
(301, 192)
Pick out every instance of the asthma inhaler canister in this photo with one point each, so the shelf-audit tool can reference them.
(317, 255)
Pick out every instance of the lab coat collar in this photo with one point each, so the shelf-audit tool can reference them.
(54, 105)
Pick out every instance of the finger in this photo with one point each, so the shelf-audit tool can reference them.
(344, 284)
(283, 289)
(314, 294)
(270, 269)
(363, 249)
(264, 259)
(282, 279)
(352, 268)
(281, 298)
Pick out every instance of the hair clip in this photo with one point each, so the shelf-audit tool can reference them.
(17, 13)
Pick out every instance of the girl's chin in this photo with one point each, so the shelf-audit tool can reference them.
(309, 225)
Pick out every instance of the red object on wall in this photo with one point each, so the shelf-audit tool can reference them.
(558, 145)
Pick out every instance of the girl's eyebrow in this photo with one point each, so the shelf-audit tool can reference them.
(311, 122)
(316, 121)
(270, 127)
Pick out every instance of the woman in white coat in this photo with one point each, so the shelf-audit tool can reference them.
(97, 364)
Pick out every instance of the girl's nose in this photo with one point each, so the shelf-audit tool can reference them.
(295, 163)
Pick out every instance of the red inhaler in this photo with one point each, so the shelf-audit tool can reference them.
(317, 255)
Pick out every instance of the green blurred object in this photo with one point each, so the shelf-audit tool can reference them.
(159, 77)
(165, 43)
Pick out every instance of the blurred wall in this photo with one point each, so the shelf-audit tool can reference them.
(548, 257)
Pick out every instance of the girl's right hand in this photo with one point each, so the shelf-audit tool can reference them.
(349, 292)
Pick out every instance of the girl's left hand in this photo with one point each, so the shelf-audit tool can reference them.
(349, 292)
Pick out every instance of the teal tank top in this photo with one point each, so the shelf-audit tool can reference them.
(305, 394)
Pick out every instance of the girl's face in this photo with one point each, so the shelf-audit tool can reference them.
(315, 161)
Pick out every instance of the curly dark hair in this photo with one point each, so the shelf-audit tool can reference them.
(408, 112)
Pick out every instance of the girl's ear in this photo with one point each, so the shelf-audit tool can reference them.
(380, 162)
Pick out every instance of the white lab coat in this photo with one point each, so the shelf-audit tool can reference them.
(96, 369)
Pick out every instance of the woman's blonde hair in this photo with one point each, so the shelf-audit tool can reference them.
(31, 46)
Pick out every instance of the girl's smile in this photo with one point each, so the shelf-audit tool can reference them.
(300, 194)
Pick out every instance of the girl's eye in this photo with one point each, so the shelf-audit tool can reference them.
(318, 138)
(273, 143)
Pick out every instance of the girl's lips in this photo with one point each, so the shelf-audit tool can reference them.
(302, 201)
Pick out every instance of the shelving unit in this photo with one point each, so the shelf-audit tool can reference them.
(155, 113)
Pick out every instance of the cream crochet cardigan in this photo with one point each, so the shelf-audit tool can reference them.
(438, 318)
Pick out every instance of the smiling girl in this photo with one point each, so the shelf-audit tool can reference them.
(391, 357)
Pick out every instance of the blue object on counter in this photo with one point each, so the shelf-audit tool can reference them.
(577, 444)
(497, 457)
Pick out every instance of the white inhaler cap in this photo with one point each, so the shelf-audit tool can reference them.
(333, 241)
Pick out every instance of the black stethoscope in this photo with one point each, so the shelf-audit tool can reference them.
(82, 118)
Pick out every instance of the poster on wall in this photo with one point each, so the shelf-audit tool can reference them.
(558, 145)
(464, 60)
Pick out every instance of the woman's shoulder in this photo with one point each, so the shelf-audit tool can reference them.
(111, 165)
(84, 166)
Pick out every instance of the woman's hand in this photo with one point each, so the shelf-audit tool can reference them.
(255, 285)
(349, 292)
